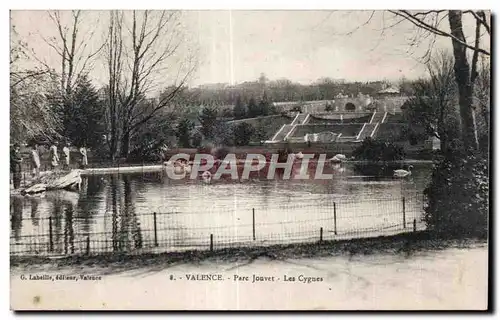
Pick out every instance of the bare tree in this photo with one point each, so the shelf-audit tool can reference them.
(465, 73)
(432, 106)
(20, 51)
(31, 115)
(114, 54)
(483, 90)
(71, 45)
(138, 64)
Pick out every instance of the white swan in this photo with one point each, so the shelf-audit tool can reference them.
(79, 183)
(179, 169)
(206, 176)
(335, 159)
(401, 173)
(187, 168)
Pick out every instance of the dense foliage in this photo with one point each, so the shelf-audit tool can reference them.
(243, 133)
(376, 150)
(183, 133)
(458, 196)
(83, 116)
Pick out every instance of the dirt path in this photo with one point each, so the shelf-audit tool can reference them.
(453, 278)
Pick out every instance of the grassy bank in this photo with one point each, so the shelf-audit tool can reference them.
(405, 244)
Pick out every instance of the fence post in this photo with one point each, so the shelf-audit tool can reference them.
(155, 230)
(335, 218)
(404, 213)
(51, 244)
(88, 244)
(253, 223)
(321, 234)
(414, 225)
(211, 242)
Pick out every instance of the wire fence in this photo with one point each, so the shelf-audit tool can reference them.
(65, 233)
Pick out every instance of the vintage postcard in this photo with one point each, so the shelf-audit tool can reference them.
(249, 159)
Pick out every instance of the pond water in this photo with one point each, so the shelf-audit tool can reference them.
(149, 212)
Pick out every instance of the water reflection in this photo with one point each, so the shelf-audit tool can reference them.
(114, 212)
(16, 216)
(35, 214)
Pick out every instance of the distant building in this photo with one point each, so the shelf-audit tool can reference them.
(391, 91)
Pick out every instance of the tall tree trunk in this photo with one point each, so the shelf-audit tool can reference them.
(465, 89)
(113, 141)
(443, 138)
(125, 146)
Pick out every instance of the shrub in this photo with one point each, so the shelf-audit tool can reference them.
(243, 132)
(458, 196)
(375, 150)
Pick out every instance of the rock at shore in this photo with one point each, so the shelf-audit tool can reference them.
(54, 181)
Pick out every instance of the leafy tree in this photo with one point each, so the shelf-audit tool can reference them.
(183, 132)
(83, 116)
(223, 134)
(253, 108)
(243, 133)
(208, 121)
(239, 109)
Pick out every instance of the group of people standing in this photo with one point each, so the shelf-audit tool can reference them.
(16, 160)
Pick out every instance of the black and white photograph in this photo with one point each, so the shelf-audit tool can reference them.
(237, 159)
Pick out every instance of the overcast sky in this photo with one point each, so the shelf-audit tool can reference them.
(299, 45)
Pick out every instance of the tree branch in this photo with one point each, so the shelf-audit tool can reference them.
(473, 74)
(422, 24)
(481, 17)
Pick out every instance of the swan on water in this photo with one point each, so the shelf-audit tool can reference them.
(401, 173)
(178, 170)
(206, 176)
(79, 183)
(338, 158)
(335, 159)
(187, 168)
